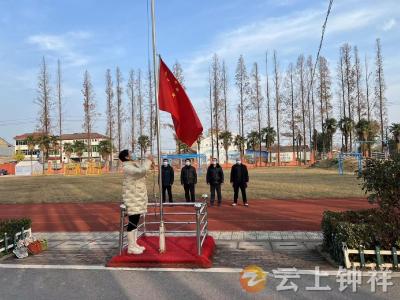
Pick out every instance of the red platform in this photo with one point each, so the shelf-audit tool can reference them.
(181, 253)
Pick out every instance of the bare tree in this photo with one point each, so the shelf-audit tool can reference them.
(59, 106)
(242, 84)
(89, 108)
(211, 113)
(291, 105)
(110, 113)
(324, 94)
(44, 99)
(150, 96)
(257, 101)
(269, 121)
(277, 104)
(140, 101)
(380, 88)
(216, 92)
(309, 89)
(367, 76)
(224, 82)
(358, 77)
(300, 69)
(119, 108)
(342, 88)
(130, 89)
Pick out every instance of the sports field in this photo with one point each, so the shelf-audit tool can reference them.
(265, 183)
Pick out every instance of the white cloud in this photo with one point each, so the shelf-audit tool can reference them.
(389, 24)
(64, 45)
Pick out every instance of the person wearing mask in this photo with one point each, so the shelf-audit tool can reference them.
(239, 180)
(215, 177)
(167, 177)
(189, 180)
(134, 194)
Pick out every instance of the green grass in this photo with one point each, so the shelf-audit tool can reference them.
(265, 183)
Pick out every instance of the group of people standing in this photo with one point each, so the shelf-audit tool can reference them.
(134, 191)
(239, 178)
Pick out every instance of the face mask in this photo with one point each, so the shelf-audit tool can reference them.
(187, 163)
(165, 163)
(214, 163)
(133, 156)
(238, 162)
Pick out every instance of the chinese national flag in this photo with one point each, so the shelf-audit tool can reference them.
(172, 98)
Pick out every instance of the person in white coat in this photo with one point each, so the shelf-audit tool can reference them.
(134, 194)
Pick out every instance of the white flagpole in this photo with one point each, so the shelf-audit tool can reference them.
(155, 69)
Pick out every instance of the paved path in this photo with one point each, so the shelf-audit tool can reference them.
(293, 215)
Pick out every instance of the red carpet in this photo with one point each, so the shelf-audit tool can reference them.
(181, 253)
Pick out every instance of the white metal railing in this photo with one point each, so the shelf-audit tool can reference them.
(200, 220)
(378, 253)
(9, 242)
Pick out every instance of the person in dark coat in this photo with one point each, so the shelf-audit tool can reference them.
(239, 180)
(215, 177)
(167, 177)
(189, 180)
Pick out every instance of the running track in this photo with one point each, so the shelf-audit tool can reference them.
(286, 215)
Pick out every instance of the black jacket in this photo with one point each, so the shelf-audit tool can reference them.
(188, 175)
(215, 175)
(167, 175)
(239, 175)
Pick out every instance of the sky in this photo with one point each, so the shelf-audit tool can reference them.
(97, 35)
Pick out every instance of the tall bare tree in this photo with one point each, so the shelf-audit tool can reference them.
(300, 70)
(367, 82)
(43, 99)
(216, 92)
(267, 92)
(310, 92)
(59, 105)
(119, 108)
(257, 101)
(89, 107)
(140, 101)
(324, 94)
(110, 115)
(342, 90)
(130, 89)
(277, 104)
(224, 83)
(358, 87)
(380, 89)
(242, 84)
(150, 95)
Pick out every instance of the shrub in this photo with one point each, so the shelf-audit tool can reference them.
(13, 226)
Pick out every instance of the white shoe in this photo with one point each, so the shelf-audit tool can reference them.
(234, 204)
(135, 241)
(132, 249)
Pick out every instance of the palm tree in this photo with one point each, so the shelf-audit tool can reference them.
(330, 127)
(268, 134)
(105, 148)
(395, 130)
(68, 149)
(79, 148)
(253, 139)
(144, 143)
(346, 126)
(239, 142)
(31, 143)
(362, 129)
(226, 137)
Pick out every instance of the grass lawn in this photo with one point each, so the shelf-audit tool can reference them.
(265, 183)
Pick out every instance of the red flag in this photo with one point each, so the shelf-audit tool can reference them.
(172, 98)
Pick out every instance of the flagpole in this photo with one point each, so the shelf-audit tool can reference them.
(155, 68)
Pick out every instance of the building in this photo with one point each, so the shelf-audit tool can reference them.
(206, 149)
(6, 150)
(287, 155)
(96, 138)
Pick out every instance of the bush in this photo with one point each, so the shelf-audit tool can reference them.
(13, 226)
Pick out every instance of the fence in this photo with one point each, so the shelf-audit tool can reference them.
(378, 253)
(200, 220)
(8, 242)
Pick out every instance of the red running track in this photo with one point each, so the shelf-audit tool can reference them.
(286, 215)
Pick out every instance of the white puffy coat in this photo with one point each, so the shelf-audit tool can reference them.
(134, 191)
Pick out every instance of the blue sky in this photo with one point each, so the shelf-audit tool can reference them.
(96, 35)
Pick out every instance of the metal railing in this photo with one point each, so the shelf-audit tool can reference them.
(200, 220)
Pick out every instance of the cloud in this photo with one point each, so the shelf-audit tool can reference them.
(389, 24)
(64, 45)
